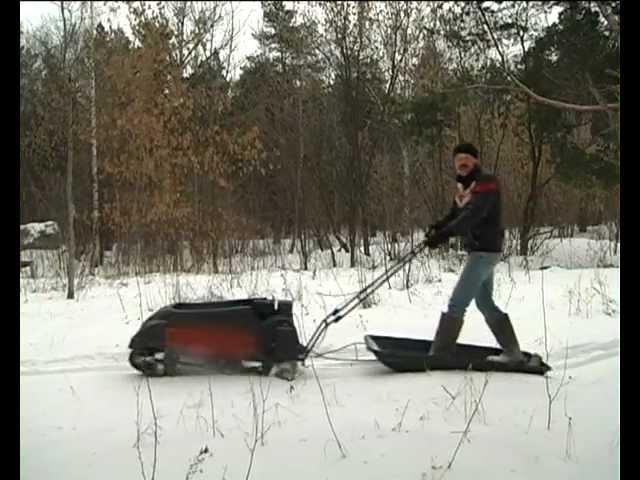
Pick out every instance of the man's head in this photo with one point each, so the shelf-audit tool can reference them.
(465, 158)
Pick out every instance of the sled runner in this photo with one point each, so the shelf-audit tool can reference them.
(224, 336)
(410, 355)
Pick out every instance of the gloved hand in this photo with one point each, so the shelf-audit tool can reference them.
(435, 238)
(433, 227)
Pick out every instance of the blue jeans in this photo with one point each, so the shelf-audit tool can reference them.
(476, 282)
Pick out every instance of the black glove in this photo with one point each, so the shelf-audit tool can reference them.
(433, 227)
(436, 238)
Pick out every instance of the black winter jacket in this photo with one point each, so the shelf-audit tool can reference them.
(479, 221)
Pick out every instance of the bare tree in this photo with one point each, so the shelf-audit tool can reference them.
(200, 32)
(350, 53)
(400, 33)
(70, 39)
(533, 95)
(94, 151)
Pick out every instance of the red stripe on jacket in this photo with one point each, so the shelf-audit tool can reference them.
(490, 186)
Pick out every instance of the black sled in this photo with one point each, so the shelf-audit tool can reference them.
(410, 355)
(224, 336)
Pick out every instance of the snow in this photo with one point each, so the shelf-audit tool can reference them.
(79, 415)
(576, 253)
(30, 232)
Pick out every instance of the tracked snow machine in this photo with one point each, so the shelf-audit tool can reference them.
(232, 335)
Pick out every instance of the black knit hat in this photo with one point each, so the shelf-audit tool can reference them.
(467, 148)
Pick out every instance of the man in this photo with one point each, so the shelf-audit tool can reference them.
(476, 217)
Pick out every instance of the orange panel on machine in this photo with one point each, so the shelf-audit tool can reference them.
(219, 342)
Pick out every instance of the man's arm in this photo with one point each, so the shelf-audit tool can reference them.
(453, 211)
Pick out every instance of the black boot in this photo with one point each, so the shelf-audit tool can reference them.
(446, 335)
(502, 329)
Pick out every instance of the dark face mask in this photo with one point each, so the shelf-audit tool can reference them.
(468, 179)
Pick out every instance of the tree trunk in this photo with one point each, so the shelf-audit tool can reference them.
(299, 194)
(528, 217)
(497, 160)
(352, 245)
(319, 240)
(334, 262)
(441, 201)
(480, 132)
(71, 239)
(366, 241)
(303, 250)
(583, 216)
(213, 247)
(341, 242)
(523, 247)
(353, 220)
(96, 256)
(405, 189)
(354, 198)
(531, 205)
(584, 212)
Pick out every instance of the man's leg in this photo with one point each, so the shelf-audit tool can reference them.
(476, 270)
(484, 299)
(499, 323)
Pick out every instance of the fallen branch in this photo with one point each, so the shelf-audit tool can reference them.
(551, 398)
(569, 446)
(469, 386)
(256, 427)
(155, 430)
(476, 86)
(137, 444)
(466, 428)
(263, 397)
(453, 397)
(197, 461)
(139, 296)
(398, 426)
(213, 418)
(326, 410)
(124, 310)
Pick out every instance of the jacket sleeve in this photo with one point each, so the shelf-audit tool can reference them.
(453, 211)
(485, 196)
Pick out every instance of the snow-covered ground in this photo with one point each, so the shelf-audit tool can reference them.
(86, 414)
